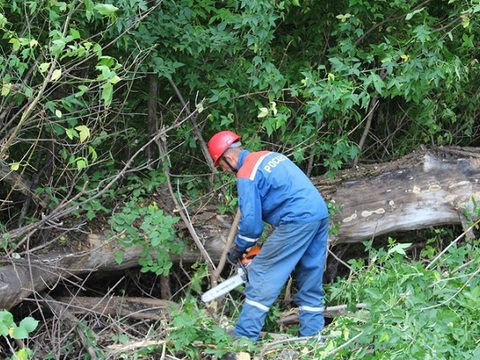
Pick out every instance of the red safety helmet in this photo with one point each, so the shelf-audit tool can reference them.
(220, 142)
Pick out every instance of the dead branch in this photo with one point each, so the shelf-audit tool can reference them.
(330, 311)
(132, 307)
(63, 313)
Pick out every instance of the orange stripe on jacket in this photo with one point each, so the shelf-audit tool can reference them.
(251, 164)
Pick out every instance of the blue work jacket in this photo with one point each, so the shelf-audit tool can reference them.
(272, 189)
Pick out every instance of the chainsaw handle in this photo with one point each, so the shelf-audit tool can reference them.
(250, 255)
(244, 272)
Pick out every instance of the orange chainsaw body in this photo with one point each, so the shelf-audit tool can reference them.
(250, 254)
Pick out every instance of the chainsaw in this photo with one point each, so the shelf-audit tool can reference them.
(235, 281)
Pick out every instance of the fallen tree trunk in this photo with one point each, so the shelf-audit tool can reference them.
(22, 277)
(427, 188)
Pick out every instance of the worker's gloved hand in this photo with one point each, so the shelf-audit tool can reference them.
(235, 256)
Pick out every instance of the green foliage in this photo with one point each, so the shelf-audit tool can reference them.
(304, 77)
(372, 56)
(411, 62)
(434, 243)
(10, 330)
(148, 226)
(141, 222)
(296, 76)
(333, 210)
(411, 312)
(57, 84)
(196, 334)
(472, 213)
(20, 331)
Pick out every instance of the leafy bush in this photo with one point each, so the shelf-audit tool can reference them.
(196, 334)
(147, 225)
(412, 311)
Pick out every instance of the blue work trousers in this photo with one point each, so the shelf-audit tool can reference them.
(291, 248)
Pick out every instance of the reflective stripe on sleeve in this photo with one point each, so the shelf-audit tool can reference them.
(248, 239)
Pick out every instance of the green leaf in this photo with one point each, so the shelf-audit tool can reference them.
(399, 248)
(15, 166)
(6, 89)
(119, 257)
(3, 21)
(114, 79)
(6, 320)
(15, 44)
(57, 73)
(43, 67)
(92, 153)
(106, 9)
(58, 46)
(82, 163)
(75, 33)
(29, 323)
(23, 354)
(107, 93)
(343, 18)
(19, 333)
(84, 132)
(410, 15)
(71, 133)
(263, 112)
(156, 241)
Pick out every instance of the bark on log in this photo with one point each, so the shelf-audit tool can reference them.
(22, 277)
(427, 188)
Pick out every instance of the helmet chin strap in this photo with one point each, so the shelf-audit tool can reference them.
(229, 165)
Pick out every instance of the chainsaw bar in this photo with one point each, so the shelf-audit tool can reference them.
(225, 287)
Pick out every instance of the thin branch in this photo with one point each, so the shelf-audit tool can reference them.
(63, 209)
(452, 243)
(63, 313)
(371, 110)
(196, 130)
(446, 301)
(233, 230)
(186, 219)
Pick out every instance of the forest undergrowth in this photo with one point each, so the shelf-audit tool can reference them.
(401, 303)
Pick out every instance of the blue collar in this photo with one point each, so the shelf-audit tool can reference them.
(241, 158)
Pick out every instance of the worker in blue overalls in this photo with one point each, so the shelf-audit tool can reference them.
(272, 189)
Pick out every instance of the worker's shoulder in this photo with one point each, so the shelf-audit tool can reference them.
(251, 164)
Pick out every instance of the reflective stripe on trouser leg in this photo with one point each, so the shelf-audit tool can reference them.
(251, 320)
(309, 276)
(311, 320)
